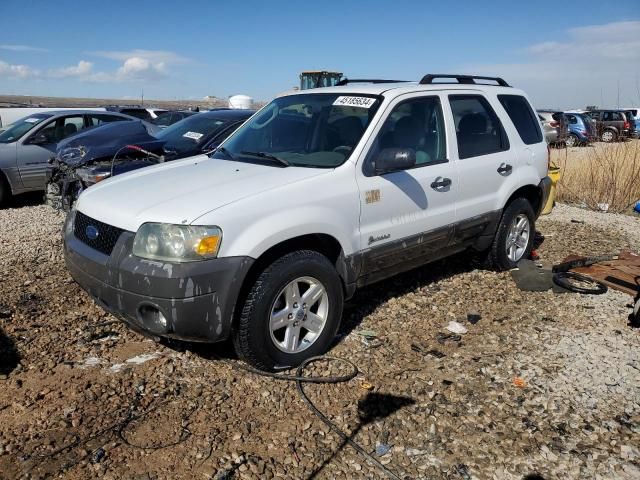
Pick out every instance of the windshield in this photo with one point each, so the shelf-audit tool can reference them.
(307, 130)
(190, 133)
(22, 126)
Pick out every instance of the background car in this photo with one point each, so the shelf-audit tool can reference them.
(169, 118)
(110, 150)
(635, 112)
(634, 119)
(143, 113)
(581, 129)
(611, 125)
(28, 144)
(554, 126)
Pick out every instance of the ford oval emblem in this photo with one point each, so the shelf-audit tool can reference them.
(92, 232)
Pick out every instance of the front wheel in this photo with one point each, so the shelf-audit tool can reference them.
(514, 237)
(291, 312)
(5, 191)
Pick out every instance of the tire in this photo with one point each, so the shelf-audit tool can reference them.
(5, 191)
(608, 136)
(264, 347)
(572, 141)
(498, 257)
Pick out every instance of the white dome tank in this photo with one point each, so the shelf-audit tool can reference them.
(240, 101)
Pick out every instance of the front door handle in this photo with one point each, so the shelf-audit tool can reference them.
(441, 183)
(505, 168)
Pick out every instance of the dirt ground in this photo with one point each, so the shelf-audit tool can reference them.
(544, 385)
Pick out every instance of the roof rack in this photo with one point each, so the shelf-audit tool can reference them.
(462, 79)
(346, 81)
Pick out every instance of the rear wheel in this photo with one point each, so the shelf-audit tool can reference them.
(608, 136)
(292, 312)
(514, 238)
(572, 140)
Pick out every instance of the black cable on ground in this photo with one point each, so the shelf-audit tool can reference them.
(567, 279)
(300, 380)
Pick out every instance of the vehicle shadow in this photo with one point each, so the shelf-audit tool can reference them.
(29, 199)
(9, 356)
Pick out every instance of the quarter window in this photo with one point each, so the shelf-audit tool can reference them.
(478, 128)
(523, 118)
(415, 124)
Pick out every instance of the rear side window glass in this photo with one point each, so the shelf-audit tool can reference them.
(478, 128)
(523, 117)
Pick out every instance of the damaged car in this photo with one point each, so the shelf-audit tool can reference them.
(104, 152)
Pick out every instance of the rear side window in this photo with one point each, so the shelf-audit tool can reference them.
(478, 128)
(523, 117)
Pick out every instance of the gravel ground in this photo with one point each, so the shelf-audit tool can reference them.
(542, 386)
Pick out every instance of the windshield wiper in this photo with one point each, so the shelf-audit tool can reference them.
(226, 152)
(268, 156)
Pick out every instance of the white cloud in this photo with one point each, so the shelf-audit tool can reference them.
(17, 71)
(82, 70)
(22, 48)
(138, 68)
(153, 56)
(584, 68)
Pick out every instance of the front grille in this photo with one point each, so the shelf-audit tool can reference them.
(107, 235)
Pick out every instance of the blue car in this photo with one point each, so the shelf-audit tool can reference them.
(582, 130)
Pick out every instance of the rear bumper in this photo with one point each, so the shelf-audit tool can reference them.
(189, 301)
(545, 189)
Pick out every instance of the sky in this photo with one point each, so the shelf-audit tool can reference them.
(563, 54)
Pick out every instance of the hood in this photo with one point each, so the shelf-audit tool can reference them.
(104, 141)
(183, 190)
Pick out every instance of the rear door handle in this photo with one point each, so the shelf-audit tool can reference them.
(441, 183)
(505, 168)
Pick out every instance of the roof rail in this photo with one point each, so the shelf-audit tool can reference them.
(346, 81)
(463, 79)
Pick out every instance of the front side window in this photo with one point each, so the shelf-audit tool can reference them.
(523, 118)
(21, 127)
(62, 128)
(415, 124)
(306, 130)
(478, 128)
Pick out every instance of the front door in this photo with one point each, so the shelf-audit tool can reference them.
(34, 152)
(407, 216)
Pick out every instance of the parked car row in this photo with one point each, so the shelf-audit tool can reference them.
(581, 127)
(28, 145)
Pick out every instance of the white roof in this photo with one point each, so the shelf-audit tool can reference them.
(401, 88)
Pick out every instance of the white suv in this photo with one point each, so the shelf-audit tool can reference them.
(318, 193)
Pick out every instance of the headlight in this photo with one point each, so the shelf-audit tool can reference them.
(176, 243)
(90, 177)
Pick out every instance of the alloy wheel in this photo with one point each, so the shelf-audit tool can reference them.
(298, 315)
(518, 237)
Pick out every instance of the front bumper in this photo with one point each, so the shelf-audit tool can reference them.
(189, 301)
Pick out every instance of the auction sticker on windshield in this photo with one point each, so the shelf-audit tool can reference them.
(193, 135)
(362, 102)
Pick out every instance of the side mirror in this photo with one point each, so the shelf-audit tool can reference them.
(39, 139)
(394, 159)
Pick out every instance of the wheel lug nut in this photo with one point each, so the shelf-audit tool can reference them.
(295, 305)
(290, 316)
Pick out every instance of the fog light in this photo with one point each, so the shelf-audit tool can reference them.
(153, 320)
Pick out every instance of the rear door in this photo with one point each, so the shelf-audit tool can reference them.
(484, 159)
